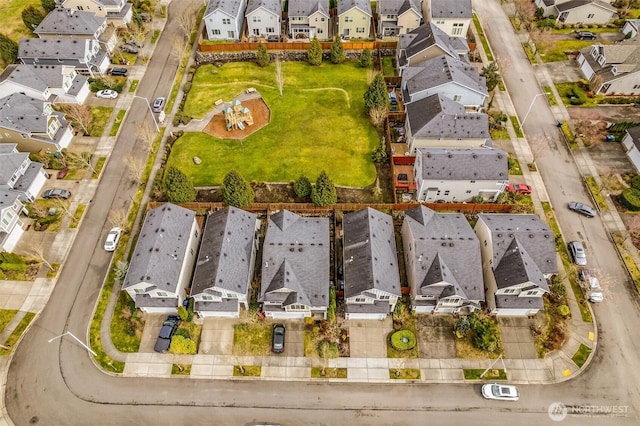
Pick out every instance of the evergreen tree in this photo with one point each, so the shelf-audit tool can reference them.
(48, 5)
(178, 187)
(491, 75)
(366, 59)
(236, 191)
(314, 54)
(262, 57)
(32, 17)
(324, 192)
(8, 50)
(337, 51)
(376, 95)
(302, 187)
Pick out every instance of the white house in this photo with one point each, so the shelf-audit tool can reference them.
(631, 144)
(354, 18)
(263, 18)
(612, 69)
(11, 227)
(460, 175)
(518, 257)
(631, 28)
(308, 19)
(118, 12)
(163, 259)
(451, 16)
(53, 83)
(19, 174)
(84, 54)
(397, 17)
(223, 19)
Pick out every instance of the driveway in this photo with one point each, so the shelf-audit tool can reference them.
(368, 338)
(436, 338)
(152, 325)
(217, 336)
(517, 339)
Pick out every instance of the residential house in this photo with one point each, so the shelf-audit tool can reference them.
(578, 11)
(397, 17)
(631, 144)
(451, 16)
(437, 121)
(354, 18)
(224, 269)
(631, 28)
(612, 68)
(11, 227)
(223, 19)
(72, 23)
(460, 175)
(370, 262)
(295, 266)
(163, 259)
(428, 42)
(84, 54)
(118, 12)
(53, 83)
(443, 262)
(452, 78)
(518, 259)
(263, 18)
(308, 19)
(19, 174)
(32, 124)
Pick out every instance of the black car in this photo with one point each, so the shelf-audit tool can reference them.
(56, 193)
(169, 327)
(585, 35)
(118, 71)
(277, 342)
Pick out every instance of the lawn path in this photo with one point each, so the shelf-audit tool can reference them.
(346, 94)
(254, 83)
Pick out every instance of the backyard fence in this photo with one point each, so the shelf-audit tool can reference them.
(291, 45)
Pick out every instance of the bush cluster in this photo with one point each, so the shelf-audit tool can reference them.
(630, 198)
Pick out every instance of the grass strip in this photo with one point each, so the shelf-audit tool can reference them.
(581, 355)
(17, 333)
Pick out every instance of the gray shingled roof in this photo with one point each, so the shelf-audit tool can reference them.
(517, 267)
(439, 71)
(463, 163)
(161, 248)
(363, 5)
(370, 255)
(295, 257)
(23, 114)
(273, 6)
(230, 7)
(510, 301)
(7, 198)
(56, 48)
(225, 252)
(460, 9)
(424, 37)
(308, 7)
(70, 22)
(225, 305)
(634, 132)
(573, 4)
(398, 7)
(533, 236)
(24, 182)
(446, 249)
(377, 307)
(624, 56)
(41, 77)
(9, 163)
(437, 116)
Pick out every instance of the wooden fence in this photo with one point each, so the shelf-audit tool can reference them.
(291, 45)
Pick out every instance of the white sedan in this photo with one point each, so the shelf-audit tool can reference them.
(501, 392)
(107, 94)
(112, 239)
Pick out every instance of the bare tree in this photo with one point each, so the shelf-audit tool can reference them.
(80, 115)
(119, 218)
(36, 250)
(82, 161)
(63, 205)
(178, 49)
(279, 77)
(545, 40)
(378, 115)
(538, 145)
(121, 270)
(136, 167)
(187, 22)
(526, 11)
(147, 134)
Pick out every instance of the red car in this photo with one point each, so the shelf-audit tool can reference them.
(520, 188)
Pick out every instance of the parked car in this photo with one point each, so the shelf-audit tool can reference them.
(118, 71)
(576, 250)
(501, 392)
(107, 94)
(127, 48)
(585, 35)
(158, 104)
(135, 43)
(169, 327)
(277, 342)
(591, 285)
(113, 237)
(583, 209)
(520, 188)
(56, 193)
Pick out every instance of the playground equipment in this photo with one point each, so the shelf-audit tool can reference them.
(237, 116)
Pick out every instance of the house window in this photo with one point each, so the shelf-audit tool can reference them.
(215, 32)
(232, 296)
(360, 300)
(320, 31)
(271, 30)
(590, 16)
(391, 17)
(386, 297)
(452, 301)
(532, 293)
(348, 19)
(257, 19)
(226, 21)
(231, 34)
(256, 31)
(138, 290)
(457, 29)
(439, 21)
(297, 307)
(457, 98)
(191, 252)
(636, 86)
(195, 234)
(446, 192)
(321, 19)
(162, 294)
(360, 30)
(468, 191)
(207, 297)
(510, 291)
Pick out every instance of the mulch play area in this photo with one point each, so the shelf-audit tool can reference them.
(260, 113)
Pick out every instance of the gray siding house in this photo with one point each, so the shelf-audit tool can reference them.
(84, 54)
(612, 69)
(295, 266)
(223, 19)
(53, 83)
(371, 274)
(162, 262)
(443, 262)
(427, 42)
(226, 259)
(631, 144)
(518, 257)
(451, 16)
(19, 174)
(308, 19)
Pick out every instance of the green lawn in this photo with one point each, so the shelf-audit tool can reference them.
(12, 25)
(387, 67)
(6, 315)
(483, 39)
(17, 332)
(77, 215)
(318, 124)
(117, 123)
(581, 355)
(252, 339)
(565, 90)
(100, 118)
(475, 373)
(558, 52)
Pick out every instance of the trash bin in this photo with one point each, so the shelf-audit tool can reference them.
(609, 138)
(559, 124)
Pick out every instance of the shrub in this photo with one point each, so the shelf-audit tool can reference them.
(376, 95)
(577, 96)
(262, 56)
(186, 87)
(236, 191)
(302, 187)
(314, 54)
(182, 313)
(635, 182)
(630, 198)
(8, 50)
(462, 327)
(331, 314)
(181, 118)
(403, 340)
(178, 186)
(564, 310)
(182, 345)
(337, 51)
(324, 192)
(366, 59)
(19, 267)
(183, 332)
(190, 309)
(380, 154)
(485, 333)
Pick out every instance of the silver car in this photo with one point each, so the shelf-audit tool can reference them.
(576, 250)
